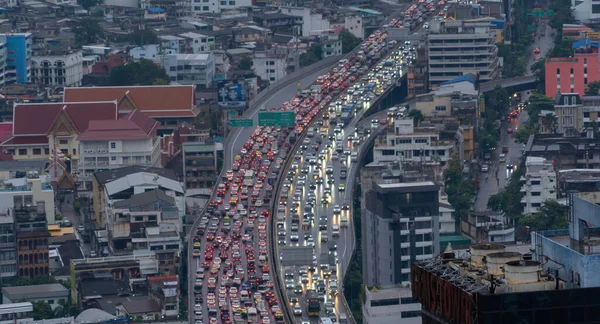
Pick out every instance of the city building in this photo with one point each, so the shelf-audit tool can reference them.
(354, 24)
(539, 184)
(146, 309)
(41, 129)
(568, 112)
(591, 111)
(8, 247)
(199, 164)
(150, 52)
(314, 21)
(565, 152)
(26, 191)
(418, 74)
(194, 43)
(414, 145)
(451, 98)
(331, 45)
(400, 226)
(57, 67)
(487, 226)
(275, 64)
(170, 105)
(32, 240)
(551, 283)
(155, 14)
(586, 10)
(199, 8)
(164, 290)
(124, 183)
(18, 58)
(462, 47)
(390, 306)
(109, 144)
(3, 63)
(584, 181)
(56, 295)
(573, 74)
(194, 69)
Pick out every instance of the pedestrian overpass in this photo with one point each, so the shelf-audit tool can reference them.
(515, 84)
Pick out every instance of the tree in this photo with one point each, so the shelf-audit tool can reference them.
(88, 31)
(593, 88)
(551, 216)
(460, 191)
(160, 81)
(144, 72)
(417, 116)
(87, 4)
(523, 133)
(245, 63)
(508, 200)
(314, 54)
(139, 37)
(562, 48)
(42, 310)
(349, 41)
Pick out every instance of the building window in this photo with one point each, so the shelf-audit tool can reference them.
(51, 301)
(410, 314)
(385, 302)
(440, 108)
(585, 61)
(584, 70)
(536, 194)
(536, 205)
(74, 151)
(585, 81)
(64, 142)
(535, 182)
(113, 145)
(22, 151)
(47, 151)
(557, 71)
(407, 300)
(37, 151)
(113, 158)
(571, 70)
(595, 8)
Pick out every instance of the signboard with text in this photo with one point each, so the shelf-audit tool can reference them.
(231, 94)
(277, 118)
(241, 123)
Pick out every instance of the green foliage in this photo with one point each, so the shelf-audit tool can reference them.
(144, 72)
(514, 63)
(508, 200)
(88, 31)
(34, 281)
(460, 191)
(593, 88)
(314, 54)
(416, 115)
(42, 310)
(539, 69)
(523, 133)
(245, 63)
(552, 215)
(160, 81)
(562, 14)
(563, 47)
(139, 37)
(349, 41)
(87, 4)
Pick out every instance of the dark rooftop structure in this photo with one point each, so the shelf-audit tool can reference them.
(145, 198)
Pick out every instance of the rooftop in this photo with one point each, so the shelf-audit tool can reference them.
(580, 175)
(133, 126)
(110, 175)
(35, 291)
(146, 198)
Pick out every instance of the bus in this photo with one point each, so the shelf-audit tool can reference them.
(249, 178)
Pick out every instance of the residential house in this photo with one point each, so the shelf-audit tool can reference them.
(199, 8)
(539, 184)
(195, 43)
(110, 144)
(194, 69)
(170, 105)
(146, 309)
(150, 52)
(26, 191)
(568, 110)
(200, 164)
(164, 290)
(57, 67)
(275, 64)
(278, 22)
(331, 45)
(155, 14)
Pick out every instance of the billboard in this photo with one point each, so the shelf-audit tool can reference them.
(231, 94)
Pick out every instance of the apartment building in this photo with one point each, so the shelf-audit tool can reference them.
(400, 226)
(573, 74)
(331, 45)
(200, 7)
(568, 112)
(190, 69)
(462, 47)
(57, 67)
(199, 164)
(27, 191)
(18, 58)
(413, 145)
(390, 306)
(33, 240)
(8, 247)
(539, 184)
(110, 144)
(196, 43)
(275, 64)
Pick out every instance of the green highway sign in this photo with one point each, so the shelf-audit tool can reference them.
(241, 123)
(277, 118)
(232, 113)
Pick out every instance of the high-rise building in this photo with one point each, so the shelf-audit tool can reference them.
(18, 59)
(539, 184)
(462, 47)
(400, 226)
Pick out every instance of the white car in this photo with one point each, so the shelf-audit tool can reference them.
(258, 203)
(297, 310)
(337, 209)
(485, 168)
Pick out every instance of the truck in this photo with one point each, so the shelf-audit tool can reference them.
(343, 172)
(314, 306)
(346, 117)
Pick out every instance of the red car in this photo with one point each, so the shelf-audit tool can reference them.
(536, 50)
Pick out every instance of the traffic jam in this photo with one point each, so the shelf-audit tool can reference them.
(230, 265)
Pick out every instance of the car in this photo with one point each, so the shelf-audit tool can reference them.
(509, 131)
(502, 158)
(336, 209)
(341, 187)
(297, 310)
(510, 166)
(485, 168)
(81, 228)
(537, 50)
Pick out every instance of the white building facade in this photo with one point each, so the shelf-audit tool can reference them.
(331, 46)
(58, 69)
(413, 145)
(197, 43)
(274, 65)
(28, 191)
(216, 6)
(187, 69)
(390, 306)
(313, 23)
(147, 52)
(539, 184)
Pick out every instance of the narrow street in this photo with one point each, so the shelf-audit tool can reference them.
(499, 173)
(67, 211)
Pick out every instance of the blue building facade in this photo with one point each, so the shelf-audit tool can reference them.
(18, 58)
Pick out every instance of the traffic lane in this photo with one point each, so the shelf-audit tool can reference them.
(241, 135)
